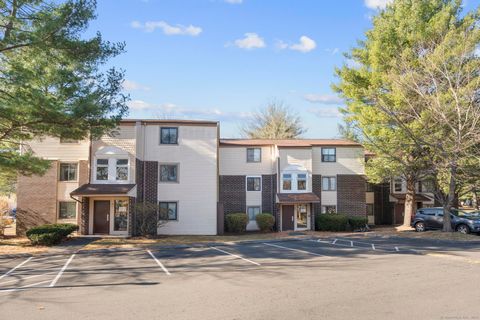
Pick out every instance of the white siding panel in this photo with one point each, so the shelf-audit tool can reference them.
(296, 156)
(329, 198)
(349, 161)
(196, 192)
(370, 197)
(50, 148)
(233, 161)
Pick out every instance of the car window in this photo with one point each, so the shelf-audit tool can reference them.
(429, 213)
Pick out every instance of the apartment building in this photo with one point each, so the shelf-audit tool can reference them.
(194, 178)
(292, 179)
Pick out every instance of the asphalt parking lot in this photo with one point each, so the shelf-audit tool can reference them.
(315, 278)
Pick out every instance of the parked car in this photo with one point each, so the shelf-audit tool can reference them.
(432, 218)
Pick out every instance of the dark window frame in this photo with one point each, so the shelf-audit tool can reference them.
(253, 149)
(162, 142)
(328, 157)
(60, 178)
(168, 208)
(254, 178)
(177, 172)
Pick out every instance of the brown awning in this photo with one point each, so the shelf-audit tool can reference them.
(418, 197)
(102, 189)
(298, 198)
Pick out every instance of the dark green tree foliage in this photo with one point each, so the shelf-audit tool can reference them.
(53, 80)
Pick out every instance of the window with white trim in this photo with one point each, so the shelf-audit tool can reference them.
(67, 210)
(121, 169)
(302, 181)
(254, 155)
(253, 212)
(169, 173)
(397, 185)
(329, 183)
(102, 169)
(254, 184)
(287, 181)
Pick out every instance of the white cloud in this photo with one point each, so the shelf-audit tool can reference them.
(329, 112)
(251, 41)
(333, 51)
(129, 85)
(323, 98)
(234, 1)
(377, 4)
(169, 30)
(305, 45)
(138, 105)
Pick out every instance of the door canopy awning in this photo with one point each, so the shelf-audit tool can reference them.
(102, 189)
(293, 198)
(418, 197)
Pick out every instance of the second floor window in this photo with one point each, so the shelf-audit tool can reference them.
(329, 183)
(397, 185)
(169, 173)
(68, 172)
(168, 135)
(301, 181)
(122, 169)
(329, 155)
(254, 184)
(102, 169)
(254, 155)
(287, 181)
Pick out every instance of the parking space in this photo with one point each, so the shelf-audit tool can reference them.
(141, 267)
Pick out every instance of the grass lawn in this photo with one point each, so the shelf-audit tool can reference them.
(434, 235)
(15, 245)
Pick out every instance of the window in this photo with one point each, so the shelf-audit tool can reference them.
(120, 215)
(168, 211)
(329, 209)
(329, 154)
(253, 212)
(122, 169)
(102, 169)
(68, 171)
(397, 185)
(169, 173)
(254, 155)
(427, 186)
(301, 181)
(67, 210)
(287, 181)
(68, 140)
(329, 183)
(369, 187)
(254, 184)
(168, 135)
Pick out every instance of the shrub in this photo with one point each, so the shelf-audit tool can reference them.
(331, 222)
(357, 222)
(265, 221)
(50, 234)
(236, 222)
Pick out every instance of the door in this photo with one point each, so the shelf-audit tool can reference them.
(302, 216)
(287, 217)
(399, 211)
(101, 215)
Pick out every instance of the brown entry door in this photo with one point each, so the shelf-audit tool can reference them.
(101, 212)
(287, 217)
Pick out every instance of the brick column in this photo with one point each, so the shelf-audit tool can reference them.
(233, 193)
(84, 216)
(351, 194)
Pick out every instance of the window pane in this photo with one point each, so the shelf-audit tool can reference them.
(333, 183)
(324, 183)
(253, 184)
(168, 135)
(102, 162)
(120, 218)
(122, 173)
(68, 210)
(253, 212)
(68, 171)
(172, 211)
(254, 155)
(102, 173)
(121, 162)
(168, 173)
(302, 185)
(287, 181)
(168, 211)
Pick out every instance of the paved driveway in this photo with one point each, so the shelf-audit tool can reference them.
(317, 278)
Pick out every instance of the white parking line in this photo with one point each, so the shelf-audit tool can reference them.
(396, 249)
(293, 249)
(236, 256)
(334, 241)
(373, 246)
(24, 287)
(16, 267)
(351, 243)
(159, 263)
(54, 281)
(29, 277)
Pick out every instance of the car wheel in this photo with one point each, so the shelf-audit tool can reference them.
(462, 228)
(419, 226)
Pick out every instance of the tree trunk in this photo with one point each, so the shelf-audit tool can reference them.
(447, 206)
(477, 199)
(409, 201)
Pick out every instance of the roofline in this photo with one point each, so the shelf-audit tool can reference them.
(302, 143)
(171, 122)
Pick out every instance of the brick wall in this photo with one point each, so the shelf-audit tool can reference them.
(232, 193)
(84, 215)
(351, 194)
(317, 190)
(147, 188)
(269, 191)
(37, 199)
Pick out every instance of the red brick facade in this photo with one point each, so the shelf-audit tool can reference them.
(351, 194)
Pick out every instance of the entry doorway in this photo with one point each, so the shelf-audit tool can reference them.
(288, 217)
(101, 216)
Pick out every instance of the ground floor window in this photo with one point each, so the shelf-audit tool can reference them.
(329, 209)
(120, 215)
(67, 210)
(369, 209)
(253, 212)
(168, 210)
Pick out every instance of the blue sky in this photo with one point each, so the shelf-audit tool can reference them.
(224, 59)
